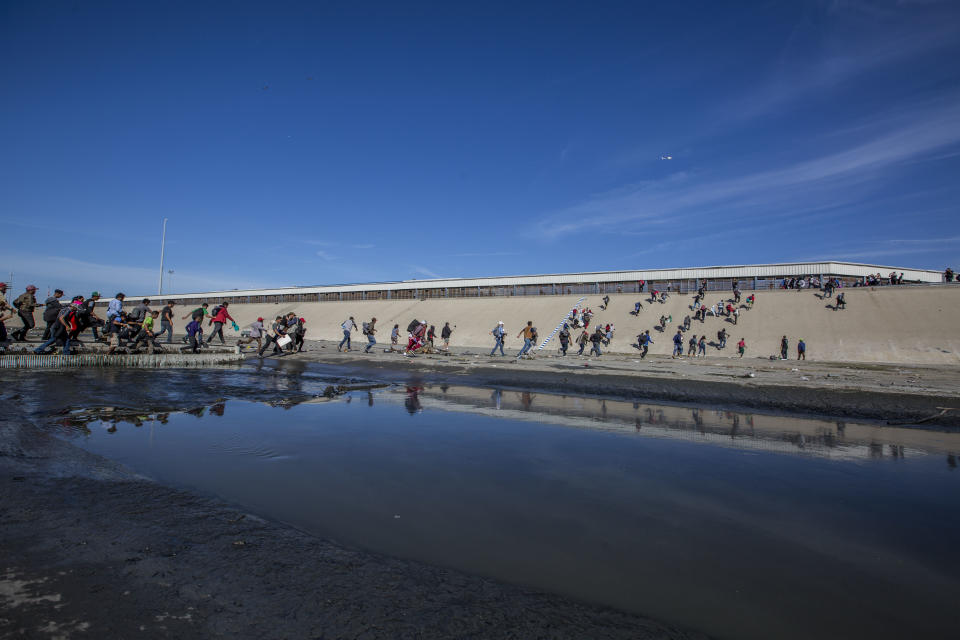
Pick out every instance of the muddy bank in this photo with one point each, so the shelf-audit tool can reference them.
(894, 394)
(93, 551)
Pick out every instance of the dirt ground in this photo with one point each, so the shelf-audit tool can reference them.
(888, 393)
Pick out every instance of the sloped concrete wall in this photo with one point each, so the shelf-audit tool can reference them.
(885, 324)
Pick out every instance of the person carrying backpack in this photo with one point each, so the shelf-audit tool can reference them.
(564, 339)
(644, 340)
(219, 318)
(678, 344)
(582, 340)
(370, 328)
(722, 337)
(66, 327)
(51, 312)
(596, 338)
(528, 336)
(499, 334)
(784, 348)
(198, 313)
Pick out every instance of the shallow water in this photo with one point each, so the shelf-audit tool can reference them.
(738, 525)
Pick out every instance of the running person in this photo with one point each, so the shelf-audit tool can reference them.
(678, 344)
(348, 325)
(369, 330)
(499, 335)
(527, 333)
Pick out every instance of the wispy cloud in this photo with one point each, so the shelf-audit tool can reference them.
(819, 181)
(892, 247)
(423, 271)
(362, 246)
(326, 256)
(484, 254)
(837, 58)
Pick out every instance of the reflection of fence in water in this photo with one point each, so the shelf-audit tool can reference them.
(806, 436)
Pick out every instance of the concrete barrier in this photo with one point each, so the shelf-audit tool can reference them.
(883, 324)
(146, 361)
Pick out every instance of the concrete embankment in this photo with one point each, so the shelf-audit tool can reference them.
(911, 325)
(139, 360)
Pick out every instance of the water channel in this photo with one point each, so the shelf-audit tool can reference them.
(738, 525)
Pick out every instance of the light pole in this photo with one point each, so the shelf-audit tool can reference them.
(163, 241)
(169, 280)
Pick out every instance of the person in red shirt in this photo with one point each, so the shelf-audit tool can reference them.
(218, 320)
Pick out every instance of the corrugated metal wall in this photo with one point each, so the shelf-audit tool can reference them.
(550, 284)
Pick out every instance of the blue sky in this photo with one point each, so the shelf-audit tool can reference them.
(330, 142)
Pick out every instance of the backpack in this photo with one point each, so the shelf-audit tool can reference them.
(197, 314)
(216, 310)
(366, 328)
(413, 326)
(52, 310)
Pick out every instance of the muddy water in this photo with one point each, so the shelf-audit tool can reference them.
(737, 525)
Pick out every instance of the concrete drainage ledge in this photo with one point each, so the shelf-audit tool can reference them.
(139, 360)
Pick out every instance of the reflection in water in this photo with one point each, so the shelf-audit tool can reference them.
(719, 426)
(412, 403)
(785, 435)
(630, 505)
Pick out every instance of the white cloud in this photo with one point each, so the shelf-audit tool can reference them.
(326, 256)
(818, 182)
(424, 272)
(846, 47)
(482, 254)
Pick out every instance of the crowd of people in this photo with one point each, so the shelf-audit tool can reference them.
(143, 326)
(136, 329)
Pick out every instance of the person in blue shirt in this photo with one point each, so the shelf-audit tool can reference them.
(801, 350)
(644, 340)
(499, 333)
(678, 344)
(114, 310)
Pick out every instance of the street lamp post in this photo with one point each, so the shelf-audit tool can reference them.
(169, 280)
(163, 241)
